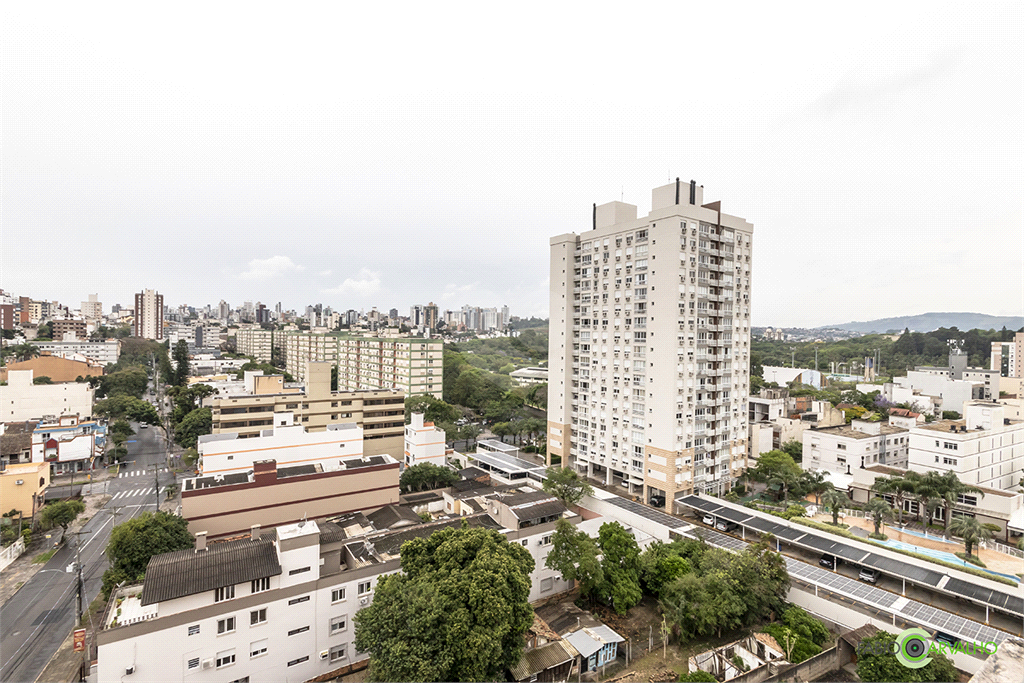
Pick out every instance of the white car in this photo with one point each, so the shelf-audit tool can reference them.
(709, 520)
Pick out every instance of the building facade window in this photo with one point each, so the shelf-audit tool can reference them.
(260, 585)
(226, 625)
(339, 624)
(258, 616)
(338, 652)
(225, 658)
(258, 648)
(337, 595)
(225, 593)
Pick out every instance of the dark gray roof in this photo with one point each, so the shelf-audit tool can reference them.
(468, 485)
(392, 543)
(562, 616)
(473, 473)
(297, 471)
(17, 437)
(196, 483)
(331, 533)
(542, 658)
(526, 497)
(187, 572)
(390, 516)
(550, 508)
(420, 498)
(372, 461)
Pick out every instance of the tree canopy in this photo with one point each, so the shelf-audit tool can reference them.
(62, 513)
(565, 484)
(127, 407)
(425, 477)
(620, 561)
(574, 555)
(134, 542)
(194, 425)
(456, 612)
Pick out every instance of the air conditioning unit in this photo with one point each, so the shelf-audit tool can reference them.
(363, 601)
(207, 663)
(324, 654)
(129, 671)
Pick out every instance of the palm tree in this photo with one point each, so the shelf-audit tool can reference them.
(834, 500)
(951, 488)
(899, 488)
(971, 530)
(787, 480)
(22, 352)
(815, 481)
(880, 511)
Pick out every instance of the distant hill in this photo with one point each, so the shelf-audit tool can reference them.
(926, 322)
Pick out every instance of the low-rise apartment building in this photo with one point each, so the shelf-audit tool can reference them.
(986, 448)
(411, 365)
(302, 348)
(21, 399)
(1005, 509)
(104, 353)
(843, 448)
(68, 443)
(64, 326)
(281, 604)
(256, 342)
(380, 414)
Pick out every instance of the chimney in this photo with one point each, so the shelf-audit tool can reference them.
(200, 541)
(693, 191)
(264, 471)
(677, 191)
(595, 215)
(254, 533)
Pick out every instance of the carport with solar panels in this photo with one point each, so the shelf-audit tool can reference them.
(823, 543)
(880, 601)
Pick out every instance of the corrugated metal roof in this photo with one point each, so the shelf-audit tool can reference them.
(187, 572)
(542, 658)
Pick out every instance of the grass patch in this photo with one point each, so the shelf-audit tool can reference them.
(878, 537)
(42, 558)
(19, 585)
(973, 559)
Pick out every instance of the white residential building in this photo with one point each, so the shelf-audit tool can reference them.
(411, 365)
(649, 357)
(92, 310)
(281, 604)
(287, 443)
(67, 443)
(424, 442)
(20, 399)
(104, 352)
(529, 376)
(841, 449)
(301, 348)
(256, 342)
(986, 448)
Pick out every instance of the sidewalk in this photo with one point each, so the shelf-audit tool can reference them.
(99, 474)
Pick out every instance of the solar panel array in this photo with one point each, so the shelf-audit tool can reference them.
(985, 595)
(646, 512)
(925, 615)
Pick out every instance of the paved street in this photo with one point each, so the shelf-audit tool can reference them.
(38, 618)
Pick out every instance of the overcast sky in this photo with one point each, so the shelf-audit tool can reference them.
(426, 151)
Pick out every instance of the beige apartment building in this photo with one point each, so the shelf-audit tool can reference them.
(380, 413)
(410, 365)
(301, 348)
(649, 360)
(256, 342)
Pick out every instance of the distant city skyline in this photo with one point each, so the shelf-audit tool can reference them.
(879, 161)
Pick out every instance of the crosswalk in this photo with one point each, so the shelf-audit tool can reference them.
(137, 473)
(131, 493)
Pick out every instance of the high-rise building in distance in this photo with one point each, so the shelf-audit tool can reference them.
(149, 315)
(649, 359)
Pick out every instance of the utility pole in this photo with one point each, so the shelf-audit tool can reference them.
(792, 356)
(156, 482)
(815, 358)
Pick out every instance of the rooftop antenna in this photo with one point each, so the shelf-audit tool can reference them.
(303, 522)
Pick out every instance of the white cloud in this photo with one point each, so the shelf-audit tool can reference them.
(262, 269)
(366, 282)
(325, 273)
(451, 290)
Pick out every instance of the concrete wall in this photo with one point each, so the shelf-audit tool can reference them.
(22, 400)
(289, 446)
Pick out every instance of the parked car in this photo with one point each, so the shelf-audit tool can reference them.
(829, 561)
(726, 525)
(952, 641)
(658, 501)
(709, 520)
(868, 574)
(143, 426)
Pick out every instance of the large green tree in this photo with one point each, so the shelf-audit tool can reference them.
(565, 484)
(425, 477)
(62, 513)
(885, 667)
(434, 410)
(620, 561)
(194, 425)
(134, 542)
(131, 381)
(575, 555)
(128, 408)
(970, 530)
(774, 464)
(456, 612)
(662, 563)
(181, 363)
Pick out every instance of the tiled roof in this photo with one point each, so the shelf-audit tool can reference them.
(331, 533)
(391, 544)
(16, 438)
(858, 634)
(551, 508)
(187, 572)
(392, 516)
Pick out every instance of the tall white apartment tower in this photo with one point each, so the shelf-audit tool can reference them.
(649, 359)
(149, 315)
